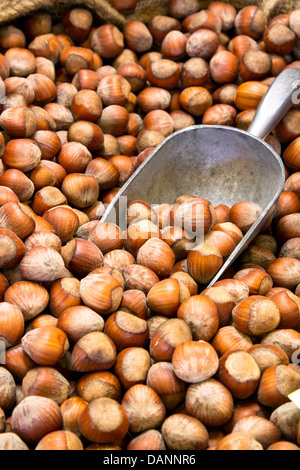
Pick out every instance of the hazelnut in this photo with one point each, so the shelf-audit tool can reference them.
(94, 351)
(239, 373)
(45, 345)
(201, 314)
(103, 420)
(256, 315)
(166, 296)
(60, 440)
(277, 382)
(204, 262)
(46, 382)
(195, 361)
(107, 41)
(148, 440)
(144, 408)
(137, 36)
(77, 22)
(152, 253)
(239, 441)
(250, 21)
(162, 379)
(182, 432)
(71, 408)
(167, 337)
(139, 277)
(159, 26)
(34, 417)
(101, 292)
(132, 366)
(21, 61)
(98, 385)
(267, 355)
(30, 297)
(127, 330)
(201, 404)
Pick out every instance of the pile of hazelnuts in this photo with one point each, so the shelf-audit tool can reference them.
(112, 339)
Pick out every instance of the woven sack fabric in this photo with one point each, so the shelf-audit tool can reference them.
(10, 10)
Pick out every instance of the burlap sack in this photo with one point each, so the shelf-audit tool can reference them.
(146, 9)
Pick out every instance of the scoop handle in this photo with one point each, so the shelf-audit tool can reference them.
(282, 95)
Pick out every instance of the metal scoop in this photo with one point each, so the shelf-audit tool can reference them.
(222, 164)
